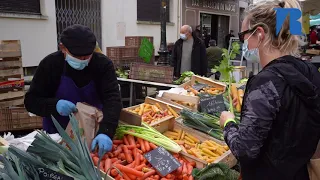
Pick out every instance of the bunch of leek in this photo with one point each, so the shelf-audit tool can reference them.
(150, 134)
(13, 169)
(202, 123)
(45, 152)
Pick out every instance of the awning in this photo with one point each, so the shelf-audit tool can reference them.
(311, 6)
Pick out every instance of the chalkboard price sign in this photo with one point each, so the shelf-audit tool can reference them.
(162, 161)
(48, 174)
(212, 104)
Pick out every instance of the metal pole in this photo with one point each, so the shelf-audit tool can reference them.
(163, 50)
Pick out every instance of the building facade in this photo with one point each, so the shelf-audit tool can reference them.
(39, 23)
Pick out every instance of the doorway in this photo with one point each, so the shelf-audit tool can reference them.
(215, 27)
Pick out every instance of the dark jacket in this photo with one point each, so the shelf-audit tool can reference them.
(40, 99)
(280, 124)
(199, 62)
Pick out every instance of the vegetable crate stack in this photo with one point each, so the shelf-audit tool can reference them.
(11, 74)
(124, 56)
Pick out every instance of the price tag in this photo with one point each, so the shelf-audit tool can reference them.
(48, 174)
(199, 86)
(162, 161)
(212, 104)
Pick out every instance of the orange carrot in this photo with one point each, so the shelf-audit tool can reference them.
(137, 157)
(191, 178)
(117, 142)
(138, 146)
(114, 160)
(156, 177)
(125, 140)
(185, 177)
(118, 177)
(140, 167)
(125, 176)
(128, 170)
(131, 140)
(127, 155)
(148, 174)
(147, 146)
(114, 173)
(179, 170)
(131, 165)
(122, 156)
(153, 146)
(95, 160)
(130, 147)
(189, 168)
(107, 166)
(143, 149)
(193, 164)
(117, 152)
(184, 168)
(117, 162)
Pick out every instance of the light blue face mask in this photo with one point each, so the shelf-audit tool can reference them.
(76, 63)
(183, 36)
(251, 55)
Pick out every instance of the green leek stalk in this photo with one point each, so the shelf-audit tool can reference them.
(149, 134)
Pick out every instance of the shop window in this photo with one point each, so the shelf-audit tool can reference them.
(31, 7)
(149, 10)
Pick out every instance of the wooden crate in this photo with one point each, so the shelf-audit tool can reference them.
(204, 80)
(135, 41)
(13, 119)
(153, 73)
(227, 157)
(10, 48)
(11, 74)
(172, 97)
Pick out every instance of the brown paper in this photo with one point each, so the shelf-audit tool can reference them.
(314, 165)
(88, 118)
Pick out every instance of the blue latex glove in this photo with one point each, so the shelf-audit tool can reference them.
(65, 108)
(104, 144)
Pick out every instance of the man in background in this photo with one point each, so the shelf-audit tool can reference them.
(228, 37)
(214, 56)
(189, 54)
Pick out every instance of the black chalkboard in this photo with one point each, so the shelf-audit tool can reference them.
(212, 104)
(48, 174)
(162, 161)
(199, 86)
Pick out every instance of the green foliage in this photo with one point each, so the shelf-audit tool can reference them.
(218, 171)
(146, 50)
(225, 69)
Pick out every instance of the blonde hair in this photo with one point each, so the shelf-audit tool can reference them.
(263, 14)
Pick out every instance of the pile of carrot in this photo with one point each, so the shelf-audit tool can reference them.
(127, 157)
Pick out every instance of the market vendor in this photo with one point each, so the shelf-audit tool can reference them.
(280, 127)
(76, 74)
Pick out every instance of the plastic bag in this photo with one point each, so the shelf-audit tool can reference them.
(88, 118)
(314, 165)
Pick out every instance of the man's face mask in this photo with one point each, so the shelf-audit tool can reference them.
(76, 63)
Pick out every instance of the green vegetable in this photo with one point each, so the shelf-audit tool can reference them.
(218, 171)
(122, 73)
(225, 69)
(149, 134)
(210, 126)
(185, 76)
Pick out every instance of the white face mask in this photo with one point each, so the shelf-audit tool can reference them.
(251, 55)
(183, 36)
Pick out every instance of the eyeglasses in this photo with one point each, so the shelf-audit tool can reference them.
(242, 34)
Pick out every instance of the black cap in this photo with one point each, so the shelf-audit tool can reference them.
(79, 40)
